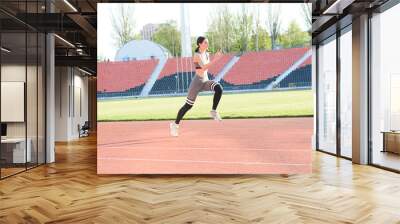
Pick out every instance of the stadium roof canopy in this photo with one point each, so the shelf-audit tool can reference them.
(141, 50)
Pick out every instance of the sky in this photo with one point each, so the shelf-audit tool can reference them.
(145, 13)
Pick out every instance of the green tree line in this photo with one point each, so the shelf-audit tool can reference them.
(231, 32)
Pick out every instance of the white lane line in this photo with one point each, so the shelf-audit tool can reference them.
(203, 161)
(200, 148)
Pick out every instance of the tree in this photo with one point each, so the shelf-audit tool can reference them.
(257, 28)
(137, 36)
(294, 36)
(274, 23)
(123, 25)
(243, 29)
(260, 40)
(307, 14)
(194, 45)
(221, 32)
(169, 37)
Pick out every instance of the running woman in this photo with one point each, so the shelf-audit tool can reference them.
(200, 82)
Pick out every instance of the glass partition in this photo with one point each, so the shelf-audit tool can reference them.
(31, 99)
(346, 93)
(327, 95)
(22, 88)
(13, 114)
(41, 87)
(385, 89)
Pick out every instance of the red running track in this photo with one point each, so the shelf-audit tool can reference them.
(233, 146)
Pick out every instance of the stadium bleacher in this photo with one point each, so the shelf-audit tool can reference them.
(174, 76)
(178, 73)
(254, 70)
(301, 77)
(127, 76)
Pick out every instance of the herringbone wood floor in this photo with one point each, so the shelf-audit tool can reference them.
(69, 191)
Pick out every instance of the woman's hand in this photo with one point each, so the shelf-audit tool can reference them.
(215, 58)
(218, 54)
(200, 71)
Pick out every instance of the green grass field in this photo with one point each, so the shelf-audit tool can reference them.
(238, 105)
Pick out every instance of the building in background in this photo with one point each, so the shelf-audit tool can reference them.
(148, 31)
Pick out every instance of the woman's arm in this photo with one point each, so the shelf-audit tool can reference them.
(196, 60)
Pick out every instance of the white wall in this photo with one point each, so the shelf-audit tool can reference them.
(70, 83)
(33, 126)
(14, 73)
(80, 84)
(62, 81)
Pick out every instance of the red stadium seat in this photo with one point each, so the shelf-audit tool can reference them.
(121, 76)
(253, 67)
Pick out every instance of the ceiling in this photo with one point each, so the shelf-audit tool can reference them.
(330, 15)
(73, 21)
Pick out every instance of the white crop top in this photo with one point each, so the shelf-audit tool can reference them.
(204, 59)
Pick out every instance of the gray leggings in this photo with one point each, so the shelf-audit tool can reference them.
(197, 85)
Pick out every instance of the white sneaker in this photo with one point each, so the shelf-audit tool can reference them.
(174, 129)
(215, 115)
